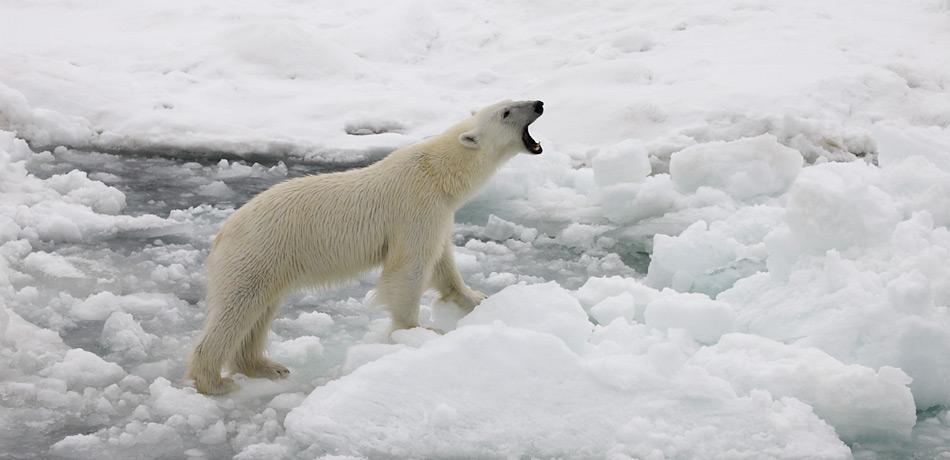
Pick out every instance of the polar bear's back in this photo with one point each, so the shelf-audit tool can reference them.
(304, 226)
(323, 228)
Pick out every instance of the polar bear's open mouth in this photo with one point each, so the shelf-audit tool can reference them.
(529, 143)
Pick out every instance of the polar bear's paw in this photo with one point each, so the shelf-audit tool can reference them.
(475, 297)
(266, 369)
(467, 299)
(224, 385)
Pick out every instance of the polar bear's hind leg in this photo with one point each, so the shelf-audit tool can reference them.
(249, 358)
(235, 335)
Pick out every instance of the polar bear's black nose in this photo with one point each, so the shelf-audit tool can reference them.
(538, 107)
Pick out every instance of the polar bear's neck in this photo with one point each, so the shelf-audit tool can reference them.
(456, 173)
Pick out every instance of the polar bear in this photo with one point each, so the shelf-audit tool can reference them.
(318, 230)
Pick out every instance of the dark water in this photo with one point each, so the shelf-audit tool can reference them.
(157, 185)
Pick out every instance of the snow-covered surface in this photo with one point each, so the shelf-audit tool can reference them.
(735, 244)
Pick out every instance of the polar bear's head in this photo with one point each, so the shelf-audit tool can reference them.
(502, 128)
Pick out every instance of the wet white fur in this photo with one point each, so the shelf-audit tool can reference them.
(317, 230)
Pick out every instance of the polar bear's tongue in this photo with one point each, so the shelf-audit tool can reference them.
(529, 143)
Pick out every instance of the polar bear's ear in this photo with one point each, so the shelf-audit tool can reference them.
(469, 139)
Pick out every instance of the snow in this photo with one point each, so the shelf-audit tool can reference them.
(540, 307)
(80, 368)
(124, 337)
(500, 229)
(622, 305)
(298, 350)
(494, 391)
(703, 318)
(837, 207)
(51, 264)
(216, 189)
(627, 161)
(742, 168)
(838, 393)
(734, 244)
(101, 305)
(360, 354)
(168, 401)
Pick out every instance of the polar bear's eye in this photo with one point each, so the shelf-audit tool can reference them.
(505, 115)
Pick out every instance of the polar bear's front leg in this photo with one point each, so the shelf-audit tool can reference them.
(400, 288)
(448, 281)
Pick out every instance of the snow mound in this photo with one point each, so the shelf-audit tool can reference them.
(545, 308)
(53, 265)
(101, 305)
(168, 400)
(597, 289)
(839, 205)
(501, 229)
(80, 368)
(629, 202)
(703, 318)
(622, 305)
(860, 403)
(299, 350)
(710, 258)
(493, 391)
(124, 337)
(141, 440)
(625, 162)
(744, 168)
